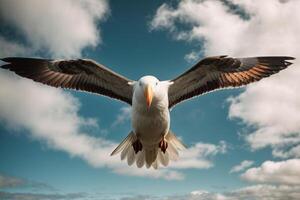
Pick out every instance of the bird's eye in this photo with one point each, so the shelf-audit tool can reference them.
(140, 84)
(156, 83)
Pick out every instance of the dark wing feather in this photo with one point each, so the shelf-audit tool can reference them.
(82, 74)
(220, 72)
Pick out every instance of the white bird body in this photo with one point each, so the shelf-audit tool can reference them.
(150, 124)
(151, 141)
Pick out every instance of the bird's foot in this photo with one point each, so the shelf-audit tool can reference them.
(137, 146)
(163, 145)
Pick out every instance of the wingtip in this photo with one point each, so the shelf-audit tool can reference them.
(288, 63)
(285, 60)
(7, 59)
(113, 153)
(3, 59)
(289, 58)
(4, 65)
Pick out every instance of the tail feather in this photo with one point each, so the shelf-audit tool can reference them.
(149, 165)
(140, 160)
(130, 156)
(155, 164)
(149, 156)
(163, 158)
(127, 142)
(173, 153)
(175, 141)
(124, 153)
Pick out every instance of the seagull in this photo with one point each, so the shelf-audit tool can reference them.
(150, 142)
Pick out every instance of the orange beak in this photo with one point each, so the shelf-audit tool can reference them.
(148, 95)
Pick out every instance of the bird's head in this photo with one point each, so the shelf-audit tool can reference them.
(149, 89)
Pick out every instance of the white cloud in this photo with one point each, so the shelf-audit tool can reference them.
(271, 106)
(197, 156)
(61, 28)
(281, 172)
(124, 115)
(207, 20)
(192, 57)
(166, 174)
(242, 166)
(9, 46)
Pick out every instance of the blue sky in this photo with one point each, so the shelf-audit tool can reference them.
(139, 38)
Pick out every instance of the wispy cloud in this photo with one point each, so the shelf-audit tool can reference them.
(242, 166)
(40, 196)
(198, 156)
(9, 181)
(123, 116)
(192, 57)
(38, 190)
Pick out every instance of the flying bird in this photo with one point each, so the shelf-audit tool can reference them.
(151, 142)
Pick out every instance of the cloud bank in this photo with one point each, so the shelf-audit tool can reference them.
(257, 192)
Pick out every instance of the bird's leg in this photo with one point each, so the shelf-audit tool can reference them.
(137, 145)
(163, 145)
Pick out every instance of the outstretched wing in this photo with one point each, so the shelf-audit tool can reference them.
(220, 72)
(82, 74)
